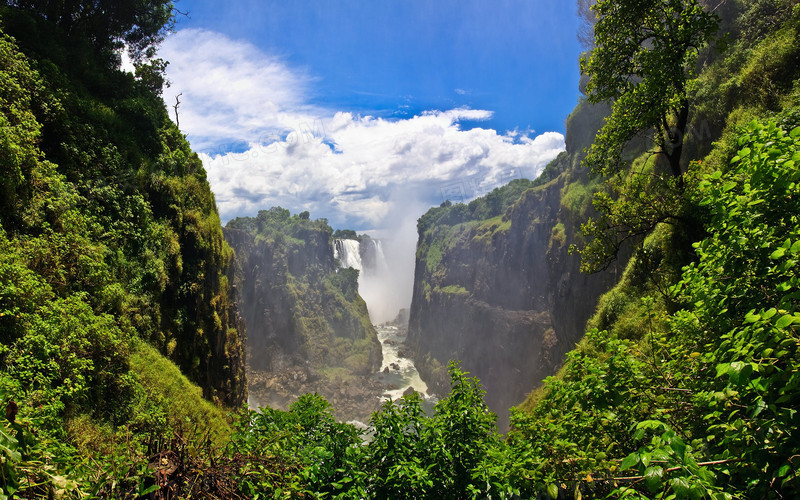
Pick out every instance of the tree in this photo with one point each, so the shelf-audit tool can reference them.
(139, 24)
(644, 64)
(461, 435)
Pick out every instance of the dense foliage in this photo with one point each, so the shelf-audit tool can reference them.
(701, 403)
(141, 24)
(643, 62)
(493, 204)
(407, 454)
(113, 289)
(110, 246)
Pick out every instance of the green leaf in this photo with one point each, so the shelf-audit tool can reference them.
(680, 485)
(784, 321)
(149, 490)
(795, 248)
(629, 461)
(794, 133)
(652, 477)
(679, 447)
(778, 253)
(751, 317)
(552, 490)
(740, 372)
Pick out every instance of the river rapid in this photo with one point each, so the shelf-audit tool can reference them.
(398, 373)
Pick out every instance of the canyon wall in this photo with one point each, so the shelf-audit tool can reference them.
(308, 329)
(496, 286)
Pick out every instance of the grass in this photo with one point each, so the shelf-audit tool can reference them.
(184, 400)
(486, 230)
(558, 235)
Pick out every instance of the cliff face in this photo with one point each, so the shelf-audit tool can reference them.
(501, 293)
(113, 259)
(308, 330)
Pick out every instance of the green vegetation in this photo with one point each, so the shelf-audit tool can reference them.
(644, 63)
(671, 394)
(118, 342)
(408, 455)
(493, 204)
(113, 288)
(345, 234)
(698, 402)
(141, 24)
(454, 290)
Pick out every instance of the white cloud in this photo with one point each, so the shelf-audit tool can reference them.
(232, 92)
(359, 171)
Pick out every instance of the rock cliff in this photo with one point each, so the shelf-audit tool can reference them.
(308, 329)
(495, 284)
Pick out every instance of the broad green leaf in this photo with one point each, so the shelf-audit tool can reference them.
(629, 461)
(680, 485)
(751, 317)
(679, 447)
(652, 477)
(785, 321)
(552, 490)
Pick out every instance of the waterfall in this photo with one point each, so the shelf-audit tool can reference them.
(373, 258)
(366, 256)
(375, 283)
(379, 290)
(348, 253)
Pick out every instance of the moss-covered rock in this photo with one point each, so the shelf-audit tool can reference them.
(303, 314)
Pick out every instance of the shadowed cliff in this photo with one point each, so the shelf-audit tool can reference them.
(495, 285)
(308, 329)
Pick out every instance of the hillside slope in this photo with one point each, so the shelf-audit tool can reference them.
(112, 255)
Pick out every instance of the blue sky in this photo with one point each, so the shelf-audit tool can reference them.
(399, 58)
(369, 112)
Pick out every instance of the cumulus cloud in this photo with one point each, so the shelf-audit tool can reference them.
(263, 144)
(232, 92)
(248, 115)
(357, 171)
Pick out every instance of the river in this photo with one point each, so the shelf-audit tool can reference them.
(398, 373)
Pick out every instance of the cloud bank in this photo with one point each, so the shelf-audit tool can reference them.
(263, 143)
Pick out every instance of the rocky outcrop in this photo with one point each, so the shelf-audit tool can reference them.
(308, 330)
(503, 295)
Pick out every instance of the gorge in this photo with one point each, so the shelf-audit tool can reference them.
(302, 296)
(148, 352)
